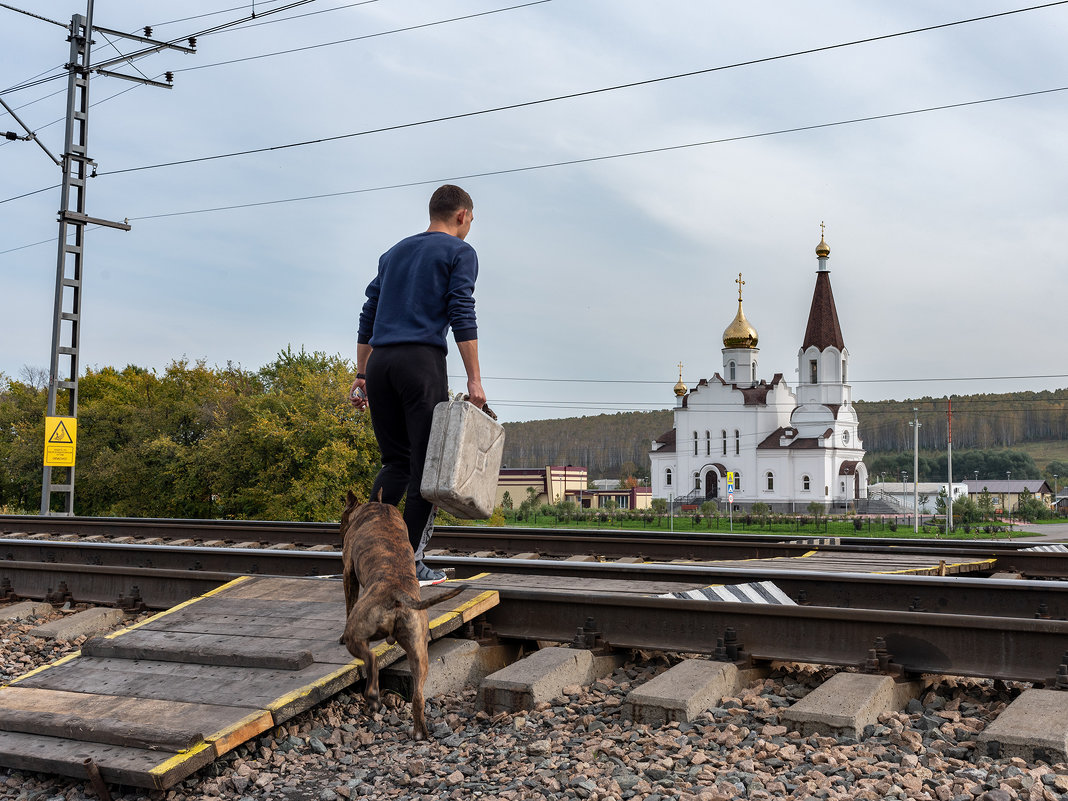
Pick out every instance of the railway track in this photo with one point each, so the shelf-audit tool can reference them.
(1008, 629)
(556, 543)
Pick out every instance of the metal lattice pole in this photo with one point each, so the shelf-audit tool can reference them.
(66, 316)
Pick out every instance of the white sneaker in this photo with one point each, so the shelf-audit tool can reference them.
(427, 575)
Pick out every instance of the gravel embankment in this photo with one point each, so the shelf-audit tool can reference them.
(579, 748)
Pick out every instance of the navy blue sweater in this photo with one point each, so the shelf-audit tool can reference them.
(425, 284)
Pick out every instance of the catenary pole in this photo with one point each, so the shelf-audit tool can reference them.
(949, 468)
(77, 168)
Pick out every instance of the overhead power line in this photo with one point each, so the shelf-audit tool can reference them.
(293, 50)
(148, 50)
(591, 159)
(212, 13)
(670, 382)
(360, 38)
(586, 93)
(35, 16)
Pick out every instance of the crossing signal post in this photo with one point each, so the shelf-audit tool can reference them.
(77, 168)
(730, 497)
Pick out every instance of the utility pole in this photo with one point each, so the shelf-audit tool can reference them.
(915, 471)
(949, 468)
(77, 168)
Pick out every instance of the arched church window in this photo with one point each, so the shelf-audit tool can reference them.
(770, 478)
(843, 371)
(708, 443)
(667, 477)
(806, 483)
(697, 481)
(737, 443)
(694, 443)
(737, 481)
(753, 378)
(724, 433)
(731, 368)
(813, 372)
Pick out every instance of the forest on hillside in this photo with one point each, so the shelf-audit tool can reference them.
(614, 445)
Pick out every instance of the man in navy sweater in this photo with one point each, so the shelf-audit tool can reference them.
(425, 285)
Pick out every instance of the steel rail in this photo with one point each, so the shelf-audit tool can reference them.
(1005, 648)
(914, 642)
(900, 592)
(317, 533)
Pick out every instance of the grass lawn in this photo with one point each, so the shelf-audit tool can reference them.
(834, 527)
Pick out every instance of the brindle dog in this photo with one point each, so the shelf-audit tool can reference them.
(382, 597)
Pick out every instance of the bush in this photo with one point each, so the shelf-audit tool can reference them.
(858, 524)
(892, 525)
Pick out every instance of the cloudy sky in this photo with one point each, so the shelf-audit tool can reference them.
(610, 220)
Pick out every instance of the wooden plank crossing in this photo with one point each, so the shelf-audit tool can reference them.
(855, 562)
(157, 701)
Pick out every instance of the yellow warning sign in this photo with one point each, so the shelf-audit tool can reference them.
(61, 437)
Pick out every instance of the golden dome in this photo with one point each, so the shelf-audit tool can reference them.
(739, 334)
(822, 249)
(680, 388)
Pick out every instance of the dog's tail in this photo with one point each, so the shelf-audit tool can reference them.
(412, 603)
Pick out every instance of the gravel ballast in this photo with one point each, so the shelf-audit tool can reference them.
(578, 747)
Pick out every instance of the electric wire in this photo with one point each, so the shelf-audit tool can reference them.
(586, 93)
(592, 159)
(278, 53)
(211, 13)
(28, 194)
(250, 25)
(360, 38)
(35, 16)
(148, 50)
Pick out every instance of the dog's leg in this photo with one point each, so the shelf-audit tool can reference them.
(361, 650)
(418, 662)
(352, 595)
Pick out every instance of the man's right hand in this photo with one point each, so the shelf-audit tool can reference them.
(476, 394)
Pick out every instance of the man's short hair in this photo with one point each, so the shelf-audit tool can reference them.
(447, 200)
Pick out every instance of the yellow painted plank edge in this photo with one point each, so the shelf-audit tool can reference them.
(987, 562)
(228, 738)
(307, 689)
(176, 760)
(458, 612)
(36, 670)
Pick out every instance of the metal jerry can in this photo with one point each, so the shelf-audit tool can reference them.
(463, 460)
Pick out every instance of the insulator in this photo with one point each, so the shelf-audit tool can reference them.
(11, 135)
(148, 31)
(193, 42)
(168, 76)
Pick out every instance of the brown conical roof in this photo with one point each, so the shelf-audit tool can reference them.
(823, 329)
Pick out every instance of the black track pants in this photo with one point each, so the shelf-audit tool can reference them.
(404, 384)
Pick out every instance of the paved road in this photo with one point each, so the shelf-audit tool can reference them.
(1046, 531)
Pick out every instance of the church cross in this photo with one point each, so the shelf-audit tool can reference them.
(740, 284)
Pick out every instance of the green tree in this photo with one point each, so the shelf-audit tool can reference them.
(761, 510)
(985, 504)
(815, 508)
(708, 509)
(659, 507)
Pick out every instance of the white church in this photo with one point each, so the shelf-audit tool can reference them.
(785, 448)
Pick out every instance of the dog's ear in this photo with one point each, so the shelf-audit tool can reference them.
(379, 498)
(350, 498)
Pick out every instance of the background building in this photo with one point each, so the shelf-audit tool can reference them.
(785, 449)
